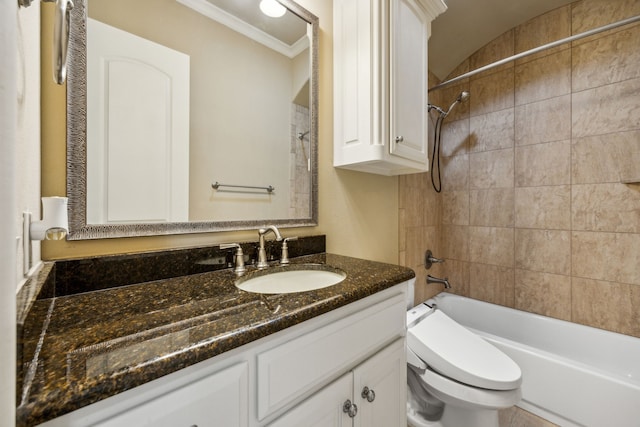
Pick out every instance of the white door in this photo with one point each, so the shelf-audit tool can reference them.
(323, 409)
(408, 92)
(137, 129)
(385, 376)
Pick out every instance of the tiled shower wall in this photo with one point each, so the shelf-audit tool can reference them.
(299, 174)
(535, 211)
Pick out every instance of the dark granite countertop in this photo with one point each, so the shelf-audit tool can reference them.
(93, 345)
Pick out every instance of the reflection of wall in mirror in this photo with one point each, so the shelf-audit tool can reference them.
(251, 147)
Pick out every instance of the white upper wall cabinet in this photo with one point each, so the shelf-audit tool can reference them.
(380, 84)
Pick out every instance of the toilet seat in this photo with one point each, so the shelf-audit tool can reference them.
(453, 392)
(455, 352)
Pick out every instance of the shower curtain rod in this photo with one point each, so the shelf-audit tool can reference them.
(537, 49)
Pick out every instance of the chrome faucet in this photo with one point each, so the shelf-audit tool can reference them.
(445, 281)
(239, 268)
(262, 253)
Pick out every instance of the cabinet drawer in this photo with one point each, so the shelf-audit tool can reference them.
(219, 399)
(302, 364)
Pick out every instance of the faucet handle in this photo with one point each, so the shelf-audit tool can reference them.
(239, 257)
(284, 259)
(429, 259)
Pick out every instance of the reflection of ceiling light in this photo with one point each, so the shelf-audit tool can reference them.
(272, 8)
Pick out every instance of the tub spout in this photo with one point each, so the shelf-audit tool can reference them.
(445, 281)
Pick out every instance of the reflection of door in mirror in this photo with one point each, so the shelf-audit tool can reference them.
(137, 129)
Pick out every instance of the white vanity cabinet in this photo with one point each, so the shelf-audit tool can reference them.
(221, 396)
(300, 376)
(372, 395)
(380, 84)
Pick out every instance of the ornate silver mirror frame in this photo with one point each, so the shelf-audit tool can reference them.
(77, 148)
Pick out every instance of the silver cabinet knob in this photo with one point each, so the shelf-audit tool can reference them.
(368, 394)
(399, 138)
(350, 408)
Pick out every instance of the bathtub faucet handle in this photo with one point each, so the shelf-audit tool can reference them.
(429, 259)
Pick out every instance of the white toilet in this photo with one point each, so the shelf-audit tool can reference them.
(455, 378)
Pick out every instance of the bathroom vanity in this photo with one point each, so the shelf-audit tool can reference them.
(196, 350)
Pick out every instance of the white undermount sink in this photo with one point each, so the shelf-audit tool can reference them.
(291, 278)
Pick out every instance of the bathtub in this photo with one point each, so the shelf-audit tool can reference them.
(572, 375)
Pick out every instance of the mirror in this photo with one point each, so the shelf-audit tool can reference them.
(188, 116)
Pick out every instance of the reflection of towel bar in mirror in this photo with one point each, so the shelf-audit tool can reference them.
(269, 189)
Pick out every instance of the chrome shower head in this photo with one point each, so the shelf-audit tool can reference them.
(464, 95)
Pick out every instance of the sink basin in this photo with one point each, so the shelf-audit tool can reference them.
(291, 278)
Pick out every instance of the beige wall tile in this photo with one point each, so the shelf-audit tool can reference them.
(457, 272)
(499, 48)
(543, 78)
(546, 207)
(606, 207)
(418, 239)
(605, 109)
(612, 157)
(491, 245)
(491, 169)
(410, 199)
(431, 206)
(492, 93)
(613, 257)
(455, 207)
(455, 173)
(492, 131)
(455, 242)
(492, 207)
(589, 14)
(607, 60)
(543, 164)
(543, 121)
(454, 139)
(413, 180)
(607, 305)
(402, 231)
(543, 293)
(415, 246)
(491, 283)
(547, 251)
(431, 240)
(551, 26)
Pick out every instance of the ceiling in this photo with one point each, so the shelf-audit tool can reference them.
(467, 25)
(288, 28)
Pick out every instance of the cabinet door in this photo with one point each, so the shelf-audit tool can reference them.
(385, 375)
(323, 409)
(220, 399)
(408, 91)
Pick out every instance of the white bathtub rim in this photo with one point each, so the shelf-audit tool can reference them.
(587, 368)
(625, 365)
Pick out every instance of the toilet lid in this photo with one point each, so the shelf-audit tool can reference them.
(456, 352)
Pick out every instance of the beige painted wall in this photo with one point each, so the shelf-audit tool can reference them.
(358, 212)
(533, 213)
